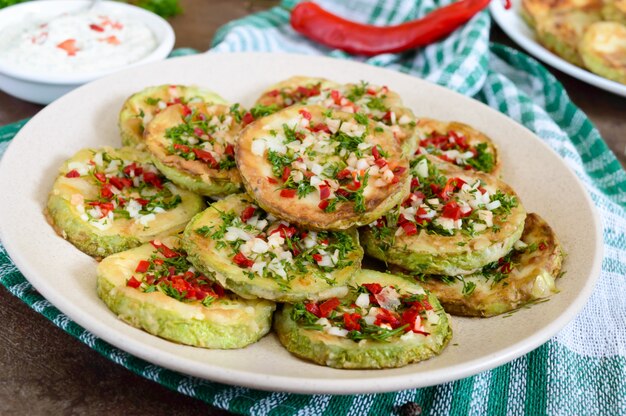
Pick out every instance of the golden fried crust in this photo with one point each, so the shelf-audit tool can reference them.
(284, 93)
(158, 144)
(537, 10)
(532, 277)
(426, 127)
(255, 170)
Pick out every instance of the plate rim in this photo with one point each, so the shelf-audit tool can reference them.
(308, 385)
(499, 14)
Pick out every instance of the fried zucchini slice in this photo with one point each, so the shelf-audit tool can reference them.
(294, 90)
(527, 273)
(454, 222)
(322, 169)
(534, 11)
(614, 11)
(603, 50)
(256, 255)
(385, 321)
(562, 31)
(378, 103)
(194, 147)
(108, 200)
(459, 144)
(139, 109)
(153, 287)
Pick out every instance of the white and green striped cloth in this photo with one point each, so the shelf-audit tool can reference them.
(578, 372)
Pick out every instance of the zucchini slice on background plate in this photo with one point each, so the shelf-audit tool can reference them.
(322, 169)
(454, 221)
(385, 321)
(527, 273)
(139, 109)
(254, 254)
(108, 200)
(194, 146)
(153, 287)
(294, 90)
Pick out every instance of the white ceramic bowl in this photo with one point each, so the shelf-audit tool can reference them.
(43, 88)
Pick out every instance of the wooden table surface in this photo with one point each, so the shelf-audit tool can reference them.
(43, 370)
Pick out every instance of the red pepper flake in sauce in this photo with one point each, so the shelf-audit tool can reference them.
(72, 174)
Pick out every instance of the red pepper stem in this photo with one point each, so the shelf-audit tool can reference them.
(312, 21)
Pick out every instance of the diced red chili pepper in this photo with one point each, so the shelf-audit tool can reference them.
(165, 250)
(451, 210)
(320, 127)
(105, 191)
(158, 262)
(285, 231)
(323, 204)
(506, 267)
(381, 222)
(328, 306)
(206, 157)
(336, 96)
(230, 150)
(273, 93)
(354, 185)
(415, 183)
(317, 257)
(351, 321)
(385, 316)
(152, 179)
(198, 131)
(371, 91)
(373, 288)
(324, 191)
(143, 202)
(247, 118)
(399, 170)
(342, 192)
(313, 308)
(72, 174)
(182, 147)
(96, 27)
(286, 173)
(117, 182)
(375, 153)
(288, 193)
(100, 176)
(69, 46)
(185, 110)
(132, 282)
(542, 246)
(247, 213)
(272, 180)
(345, 173)
(409, 228)
(134, 169)
(381, 163)
(324, 242)
(305, 114)
(242, 261)
(412, 317)
(105, 208)
(142, 266)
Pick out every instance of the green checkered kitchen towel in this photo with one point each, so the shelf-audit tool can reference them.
(580, 371)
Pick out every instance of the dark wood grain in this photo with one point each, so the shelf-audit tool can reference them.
(44, 371)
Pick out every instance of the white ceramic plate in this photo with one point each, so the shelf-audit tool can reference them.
(511, 22)
(88, 117)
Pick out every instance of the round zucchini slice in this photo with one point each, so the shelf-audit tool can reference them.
(535, 11)
(454, 221)
(526, 274)
(459, 144)
(109, 200)
(562, 31)
(294, 90)
(377, 103)
(603, 50)
(194, 147)
(385, 321)
(256, 255)
(153, 287)
(614, 11)
(322, 169)
(139, 109)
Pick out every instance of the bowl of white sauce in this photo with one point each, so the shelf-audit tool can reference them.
(48, 48)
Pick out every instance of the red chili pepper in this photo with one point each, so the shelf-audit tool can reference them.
(287, 193)
(206, 157)
(324, 191)
(323, 204)
(286, 173)
(100, 176)
(317, 257)
(345, 173)
(375, 153)
(132, 282)
(305, 114)
(409, 228)
(185, 110)
(542, 246)
(242, 261)
(247, 213)
(313, 308)
(72, 174)
(285, 232)
(105, 191)
(182, 147)
(96, 27)
(412, 317)
(328, 306)
(451, 210)
(351, 321)
(142, 267)
(167, 252)
(373, 288)
(385, 316)
(320, 127)
(381, 163)
(312, 21)
(152, 179)
(120, 183)
(247, 118)
(230, 150)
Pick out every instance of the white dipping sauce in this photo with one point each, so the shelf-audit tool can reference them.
(81, 42)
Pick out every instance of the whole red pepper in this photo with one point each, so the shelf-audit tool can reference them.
(312, 21)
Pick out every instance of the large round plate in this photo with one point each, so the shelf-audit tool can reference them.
(88, 117)
(511, 22)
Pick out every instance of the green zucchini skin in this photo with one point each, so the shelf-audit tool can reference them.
(205, 256)
(132, 124)
(227, 323)
(338, 352)
(124, 234)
